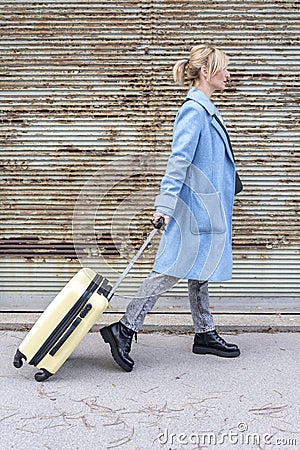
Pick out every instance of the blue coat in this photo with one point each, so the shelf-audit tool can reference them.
(197, 191)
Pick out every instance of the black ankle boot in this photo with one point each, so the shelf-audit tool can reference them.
(211, 342)
(119, 337)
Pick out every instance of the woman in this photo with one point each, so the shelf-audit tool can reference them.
(196, 203)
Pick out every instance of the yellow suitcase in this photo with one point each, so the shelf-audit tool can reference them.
(64, 323)
(69, 317)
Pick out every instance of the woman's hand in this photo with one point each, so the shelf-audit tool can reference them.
(158, 215)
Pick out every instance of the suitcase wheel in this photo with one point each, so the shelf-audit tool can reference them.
(18, 359)
(43, 375)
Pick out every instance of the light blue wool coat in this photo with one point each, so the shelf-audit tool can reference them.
(197, 191)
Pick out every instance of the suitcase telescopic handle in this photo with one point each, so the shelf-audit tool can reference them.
(157, 227)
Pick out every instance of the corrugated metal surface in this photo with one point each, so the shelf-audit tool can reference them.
(87, 94)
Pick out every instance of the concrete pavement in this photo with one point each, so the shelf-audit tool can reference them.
(178, 323)
(173, 399)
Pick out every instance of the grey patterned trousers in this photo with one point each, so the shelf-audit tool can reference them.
(155, 285)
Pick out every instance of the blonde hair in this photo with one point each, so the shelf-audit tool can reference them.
(200, 55)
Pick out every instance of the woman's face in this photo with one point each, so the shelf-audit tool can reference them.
(219, 81)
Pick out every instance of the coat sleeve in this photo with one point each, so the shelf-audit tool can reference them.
(186, 133)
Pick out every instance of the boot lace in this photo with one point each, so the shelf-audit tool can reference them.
(219, 338)
(129, 341)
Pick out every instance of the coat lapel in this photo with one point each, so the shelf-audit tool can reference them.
(199, 97)
(222, 133)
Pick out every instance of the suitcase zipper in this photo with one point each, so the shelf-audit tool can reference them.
(66, 321)
(67, 334)
(72, 328)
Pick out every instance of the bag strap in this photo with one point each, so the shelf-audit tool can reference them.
(220, 123)
(226, 132)
(238, 182)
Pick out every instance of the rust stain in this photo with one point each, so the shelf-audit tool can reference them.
(107, 246)
(32, 246)
(70, 149)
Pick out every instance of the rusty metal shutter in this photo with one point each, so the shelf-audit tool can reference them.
(88, 102)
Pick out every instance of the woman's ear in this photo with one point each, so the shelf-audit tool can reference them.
(204, 72)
